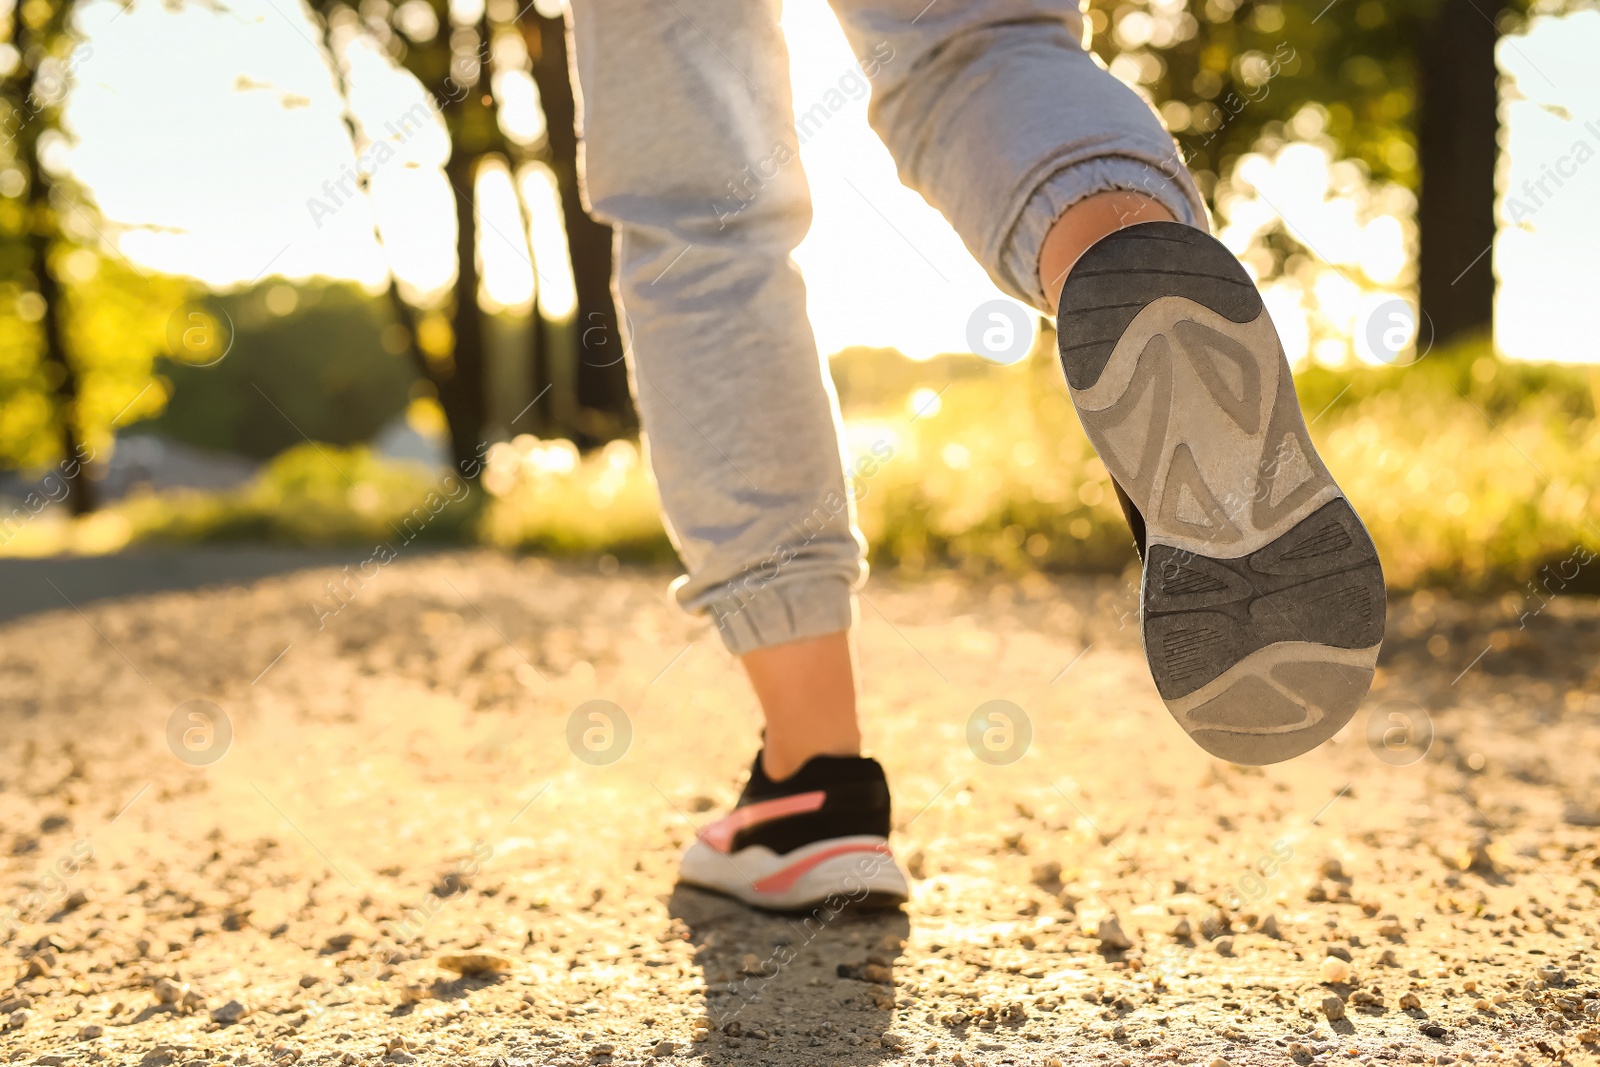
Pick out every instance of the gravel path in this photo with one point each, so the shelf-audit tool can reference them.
(406, 848)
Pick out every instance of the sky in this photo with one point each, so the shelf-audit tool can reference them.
(215, 145)
(1545, 254)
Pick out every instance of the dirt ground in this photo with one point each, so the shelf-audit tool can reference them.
(395, 829)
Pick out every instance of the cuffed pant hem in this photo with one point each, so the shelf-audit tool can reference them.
(1168, 184)
(778, 614)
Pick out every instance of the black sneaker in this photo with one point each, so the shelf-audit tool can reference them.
(1262, 604)
(819, 836)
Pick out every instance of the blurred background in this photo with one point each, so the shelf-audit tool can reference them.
(270, 271)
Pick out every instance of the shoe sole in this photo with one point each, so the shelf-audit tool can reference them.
(1262, 600)
(857, 872)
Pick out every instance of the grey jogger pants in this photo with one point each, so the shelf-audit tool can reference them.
(992, 110)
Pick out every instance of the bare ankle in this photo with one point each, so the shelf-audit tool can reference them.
(1086, 222)
(807, 693)
(782, 760)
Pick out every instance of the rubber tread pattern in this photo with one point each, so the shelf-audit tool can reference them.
(1119, 276)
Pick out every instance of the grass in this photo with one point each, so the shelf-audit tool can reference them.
(1472, 474)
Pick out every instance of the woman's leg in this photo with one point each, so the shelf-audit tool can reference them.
(690, 153)
(1085, 223)
(1262, 602)
(996, 113)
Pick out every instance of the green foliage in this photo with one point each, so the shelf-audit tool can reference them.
(116, 328)
(1471, 474)
(548, 499)
(317, 371)
(316, 495)
(1228, 71)
(117, 322)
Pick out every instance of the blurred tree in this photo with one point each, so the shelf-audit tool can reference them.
(304, 360)
(463, 63)
(1458, 146)
(449, 60)
(330, 15)
(460, 66)
(79, 325)
(603, 404)
(39, 36)
(1409, 93)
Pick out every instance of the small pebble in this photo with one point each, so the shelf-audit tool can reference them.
(471, 963)
(1109, 932)
(167, 991)
(1333, 1008)
(1335, 971)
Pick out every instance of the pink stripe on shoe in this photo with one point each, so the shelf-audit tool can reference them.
(719, 835)
(781, 880)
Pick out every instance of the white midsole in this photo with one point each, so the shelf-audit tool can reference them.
(859, 866)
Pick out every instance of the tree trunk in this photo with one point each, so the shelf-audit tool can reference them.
(82, 497)
(605, 408)
(1457, 131)
(43, 232)
(461, 392)
(406, 318)
(404, 315)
